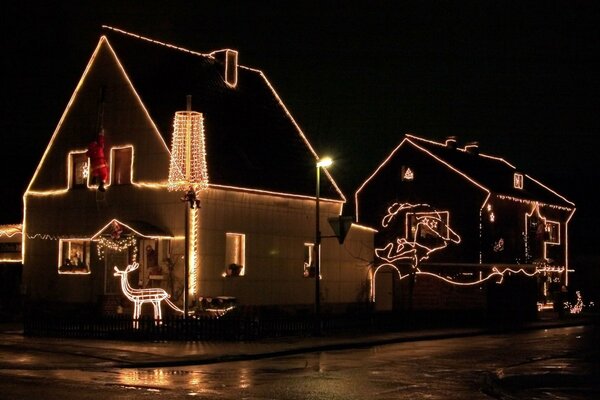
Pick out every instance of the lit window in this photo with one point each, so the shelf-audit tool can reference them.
(79, 170)
(74, 257)
(235, 254)
(309, 268)
(518, 181)
(121, 165)
(407, 174)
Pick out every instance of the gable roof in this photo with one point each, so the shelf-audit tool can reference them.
(252, 141)
(489, 173)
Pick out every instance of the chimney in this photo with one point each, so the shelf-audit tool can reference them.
(229, 62)
(472, 147)
(451, 142)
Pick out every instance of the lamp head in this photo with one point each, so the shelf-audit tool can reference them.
(324, 162)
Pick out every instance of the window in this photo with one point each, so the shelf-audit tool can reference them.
(235, 254)
(79, 170)
(427, 225)
(518, 181)
(309, 268)
(121, 165)
(552, 232)
(407, 174)
(74, 257)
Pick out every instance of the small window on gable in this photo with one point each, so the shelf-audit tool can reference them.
(518, 181)
(78, 169)
(309, 267)
(235, 254)
(74, 257)
(407, 174)
(552, 232)
(121, 165)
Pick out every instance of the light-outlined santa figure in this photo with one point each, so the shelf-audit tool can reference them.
(98, 167)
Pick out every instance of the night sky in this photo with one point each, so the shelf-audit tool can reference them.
(522, 80)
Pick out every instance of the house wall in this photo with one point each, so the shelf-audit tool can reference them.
(276, 229)
(508, 224)
(78, 214)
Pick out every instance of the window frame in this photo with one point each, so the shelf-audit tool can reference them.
(72, 169)
(116, 164)
(65, 247)
(235, 254)
(309, 266)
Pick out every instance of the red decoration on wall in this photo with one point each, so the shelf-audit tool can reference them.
(98, 167)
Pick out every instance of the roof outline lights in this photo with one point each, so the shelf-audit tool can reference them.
(299, 130)
(147, 39)
(99, 232)
(388, 158)
(547, 188)
(408, 138)
(103, 41)
(263, 76)
(498, 159)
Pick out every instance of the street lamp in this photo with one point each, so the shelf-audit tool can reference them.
(324, 162)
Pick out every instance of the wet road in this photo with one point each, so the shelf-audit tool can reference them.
(559, 363)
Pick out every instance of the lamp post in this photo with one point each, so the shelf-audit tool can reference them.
(324, 162)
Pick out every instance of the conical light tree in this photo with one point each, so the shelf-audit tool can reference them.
(188, 172)
(188, 169)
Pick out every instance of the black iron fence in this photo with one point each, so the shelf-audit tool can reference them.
(227, 327)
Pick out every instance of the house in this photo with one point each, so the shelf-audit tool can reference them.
(10, 270)
(459, 229)
(249, 237)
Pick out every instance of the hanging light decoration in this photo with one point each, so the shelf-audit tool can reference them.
(188, 169)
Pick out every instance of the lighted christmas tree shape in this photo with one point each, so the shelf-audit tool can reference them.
(188, 170)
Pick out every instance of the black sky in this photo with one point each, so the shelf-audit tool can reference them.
(519, 77)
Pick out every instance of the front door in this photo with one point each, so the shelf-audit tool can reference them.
(384, 291)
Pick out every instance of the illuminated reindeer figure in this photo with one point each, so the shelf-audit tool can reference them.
(141, 296)
(407, 249)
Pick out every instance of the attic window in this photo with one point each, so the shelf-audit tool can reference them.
(407, 174)
(121, 165)
(78, 169)
(518, 181)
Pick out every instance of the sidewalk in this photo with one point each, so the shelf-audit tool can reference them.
(55, 353)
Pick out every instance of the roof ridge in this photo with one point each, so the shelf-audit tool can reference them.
(158, 42)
